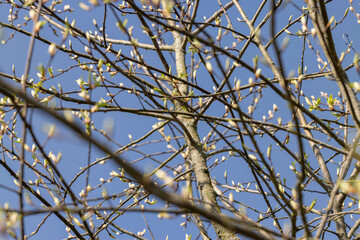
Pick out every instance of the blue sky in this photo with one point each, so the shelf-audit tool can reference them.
(75, 151)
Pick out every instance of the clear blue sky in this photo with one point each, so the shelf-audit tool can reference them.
(75, 151)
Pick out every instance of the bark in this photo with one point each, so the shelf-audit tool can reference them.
(196, 153)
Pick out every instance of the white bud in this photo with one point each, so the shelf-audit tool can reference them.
(52, 49)
(209, 67)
